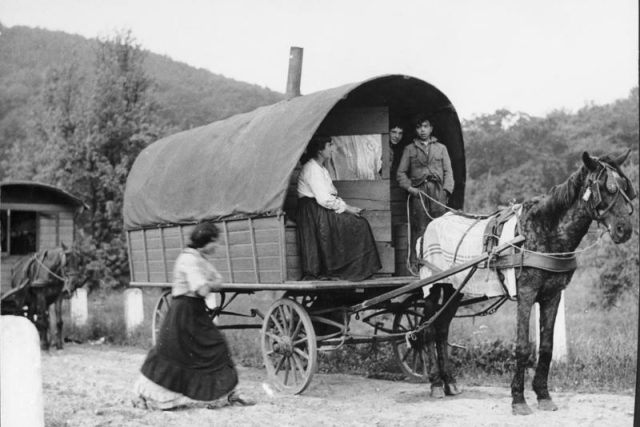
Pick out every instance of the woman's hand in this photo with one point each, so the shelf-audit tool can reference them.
(353, 210)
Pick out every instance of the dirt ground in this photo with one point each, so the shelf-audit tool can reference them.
(87, 385)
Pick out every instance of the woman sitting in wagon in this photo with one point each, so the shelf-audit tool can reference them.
(335, 241)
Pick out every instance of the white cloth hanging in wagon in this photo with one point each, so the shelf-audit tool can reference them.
(356, 157)
(441, 243)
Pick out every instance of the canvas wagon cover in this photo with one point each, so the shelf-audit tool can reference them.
(237, 166)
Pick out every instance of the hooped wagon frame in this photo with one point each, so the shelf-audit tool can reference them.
(240, 173)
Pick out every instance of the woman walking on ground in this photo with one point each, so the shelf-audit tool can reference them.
(190, 365)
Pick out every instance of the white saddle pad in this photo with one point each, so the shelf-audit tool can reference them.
(440, 242)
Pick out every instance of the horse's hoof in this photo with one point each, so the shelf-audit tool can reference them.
(437, 392)
(547, 405)
(452, 389)
(521, 409)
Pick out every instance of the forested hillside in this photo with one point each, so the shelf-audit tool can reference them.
(185, 96)
(75, 113)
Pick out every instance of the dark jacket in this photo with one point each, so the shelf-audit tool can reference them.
(419, 164)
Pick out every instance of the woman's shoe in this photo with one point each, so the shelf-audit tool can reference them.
(237, 399)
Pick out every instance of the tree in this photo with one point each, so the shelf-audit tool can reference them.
(84, 137)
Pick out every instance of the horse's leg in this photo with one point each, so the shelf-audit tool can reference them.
(58, 312)
(548, 311)
(435, 376)
(442, 339)
(526, 298)
(41, 318)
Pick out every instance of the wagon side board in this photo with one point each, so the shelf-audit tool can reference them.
(251, 250)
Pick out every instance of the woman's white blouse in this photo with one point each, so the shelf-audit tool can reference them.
(191, 272)
(314, 181)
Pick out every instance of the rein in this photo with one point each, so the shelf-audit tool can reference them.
(48, 270)
(65, 278)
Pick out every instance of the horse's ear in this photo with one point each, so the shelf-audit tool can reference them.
(621, 159)
(64, 247)
(589, 162)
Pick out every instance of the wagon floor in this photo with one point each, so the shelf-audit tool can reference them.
(312, 285)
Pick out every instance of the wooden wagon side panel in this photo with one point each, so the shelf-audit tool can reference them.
(8, 264)
(55, 228)
(249, 251)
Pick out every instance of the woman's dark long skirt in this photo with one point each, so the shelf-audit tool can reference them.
(335, 245)
(191, 356)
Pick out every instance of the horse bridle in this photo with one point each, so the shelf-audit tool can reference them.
(592, 195)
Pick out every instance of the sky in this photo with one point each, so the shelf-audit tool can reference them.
(531, 56)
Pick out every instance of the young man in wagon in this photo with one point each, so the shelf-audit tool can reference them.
(425, 172)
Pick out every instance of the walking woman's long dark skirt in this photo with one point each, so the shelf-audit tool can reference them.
(335, 245)
(191, 356)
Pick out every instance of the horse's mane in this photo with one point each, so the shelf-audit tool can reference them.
(560, 197)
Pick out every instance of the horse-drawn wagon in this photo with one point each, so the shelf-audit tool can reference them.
(38, 223)
(241, 173)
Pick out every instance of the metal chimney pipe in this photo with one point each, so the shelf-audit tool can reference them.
(295, 72)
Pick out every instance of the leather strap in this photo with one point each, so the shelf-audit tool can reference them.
(554, 263)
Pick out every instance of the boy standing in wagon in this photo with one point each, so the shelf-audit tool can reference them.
(425, 168)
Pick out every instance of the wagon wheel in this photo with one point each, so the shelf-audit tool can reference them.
(289, 346)
(412, 357)
(159, 313)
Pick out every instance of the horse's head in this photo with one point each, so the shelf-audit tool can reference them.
(69, 270)
(608, 194)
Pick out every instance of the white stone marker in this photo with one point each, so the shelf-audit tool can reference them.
(20, 374)
(133, 308)
(559, 333)
(79, 310)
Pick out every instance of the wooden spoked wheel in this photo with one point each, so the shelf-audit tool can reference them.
(411, 356)
(289, 346)
(159, 313)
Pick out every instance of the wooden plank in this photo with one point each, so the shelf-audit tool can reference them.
(355, 121)
(249, 264)
(291, 235)
(146, 256)
(239, 251)
(154, 254)
(249, 277)
(37, 207)
(282, 246)
(164, 254)
(380, 222)
(387, 257)
(135, 239)
(374, 190)
(266, 223)
(254, 254)
(385, 156)
(228, 253)
(130, 252)
(261, 236)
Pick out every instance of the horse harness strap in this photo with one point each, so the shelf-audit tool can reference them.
(517, 258)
